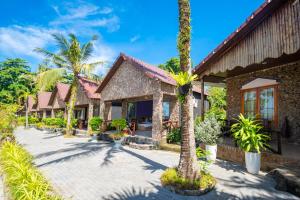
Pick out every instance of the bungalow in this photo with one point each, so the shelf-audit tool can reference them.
(42, 108)
(260, 65)
(57, 99)
(31, 104)
(87, 101)
(142, 93)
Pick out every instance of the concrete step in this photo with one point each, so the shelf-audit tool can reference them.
(287, 180)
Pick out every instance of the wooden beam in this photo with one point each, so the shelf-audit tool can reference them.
(202, 97)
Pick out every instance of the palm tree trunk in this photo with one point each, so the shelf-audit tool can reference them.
(188, 166)
(71, 106)
(26, 114)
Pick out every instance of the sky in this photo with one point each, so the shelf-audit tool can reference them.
(145, 29)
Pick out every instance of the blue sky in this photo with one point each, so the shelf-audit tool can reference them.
(146, 29)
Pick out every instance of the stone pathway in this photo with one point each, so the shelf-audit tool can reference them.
(82, 170)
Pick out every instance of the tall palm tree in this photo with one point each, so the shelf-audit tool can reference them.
(71, 57)
(188, 166)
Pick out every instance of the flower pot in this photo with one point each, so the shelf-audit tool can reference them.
(252, 162)
(183, 90)
(212, 149)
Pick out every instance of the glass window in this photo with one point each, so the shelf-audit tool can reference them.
(166, 110)
(266, 104)
(250, 104)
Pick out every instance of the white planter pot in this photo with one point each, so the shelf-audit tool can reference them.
(212, 149)
(252, 162)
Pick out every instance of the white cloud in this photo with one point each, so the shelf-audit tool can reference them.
(135, 38)
(84, 14)
(102, 52)
(17, 40)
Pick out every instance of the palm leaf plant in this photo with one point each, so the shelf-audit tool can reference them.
(72, 57)
(249, 135)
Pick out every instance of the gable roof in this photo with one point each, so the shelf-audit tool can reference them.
(43, 100)
(89, 87)
(61, 89)
(31, 103)
(150, 71)
(254, 20)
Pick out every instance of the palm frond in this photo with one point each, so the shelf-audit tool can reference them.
(62, 42)
(47, 79)
(86, 51)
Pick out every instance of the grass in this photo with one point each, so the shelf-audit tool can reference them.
(23, 180)
(171, 178)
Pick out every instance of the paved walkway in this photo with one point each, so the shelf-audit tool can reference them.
(82, 170)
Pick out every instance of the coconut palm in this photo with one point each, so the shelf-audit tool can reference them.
(72, 57)
(188, 167)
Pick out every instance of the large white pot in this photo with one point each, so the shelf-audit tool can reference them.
(212, 149)
(252, 162)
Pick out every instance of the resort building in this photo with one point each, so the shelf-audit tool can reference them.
(142, 94)
(260, 65)
(57, 99)
(42, 107)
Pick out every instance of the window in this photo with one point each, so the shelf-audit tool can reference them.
(166, 110)
(260, 102)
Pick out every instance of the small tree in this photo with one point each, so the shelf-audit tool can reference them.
(217, 101)
(119, 124)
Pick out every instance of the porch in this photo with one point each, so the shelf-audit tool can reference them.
(146, 116)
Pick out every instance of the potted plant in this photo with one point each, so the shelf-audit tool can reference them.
(208, 132)
(184, 81)
(248, 134)
(120, 125)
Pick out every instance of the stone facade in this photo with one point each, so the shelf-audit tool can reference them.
(288, 77)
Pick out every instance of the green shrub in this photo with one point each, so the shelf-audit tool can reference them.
(8, 119)
(119, 124)
(208, 131)
(95, 123)
(31, 120)
(174, 136)
(22, 178)
(54, 122)
(248, 134)
(171, 178)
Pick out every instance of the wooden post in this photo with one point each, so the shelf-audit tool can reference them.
(202, 98)
(90, 116)
(44, 114)
(52, 113)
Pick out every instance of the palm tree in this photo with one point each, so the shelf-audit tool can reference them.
(188, 167)
(72, 57)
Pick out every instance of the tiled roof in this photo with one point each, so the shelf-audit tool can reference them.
(89, 88)
(43, 100)
(150, 70)
(62, 90)
(31, 103)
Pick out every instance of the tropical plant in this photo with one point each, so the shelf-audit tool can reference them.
(188, 167)
(54, 122)
(172, 65)
(22, 178)
(217, 101)
(174, 136)
(248, 134)
(8, 119)
(71, 57)
(95, 123)
(15, 79)
(208, 131)
(119, 124)
(183, 78)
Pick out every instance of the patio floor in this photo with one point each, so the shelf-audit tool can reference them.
(82, 170)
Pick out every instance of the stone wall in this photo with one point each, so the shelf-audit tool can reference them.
(288, 77)
(269, 161)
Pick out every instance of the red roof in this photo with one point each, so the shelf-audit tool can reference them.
(150, 70)
(43, 100)
(265, 10)
(31, 103)
(89, 87)
(62, 90)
